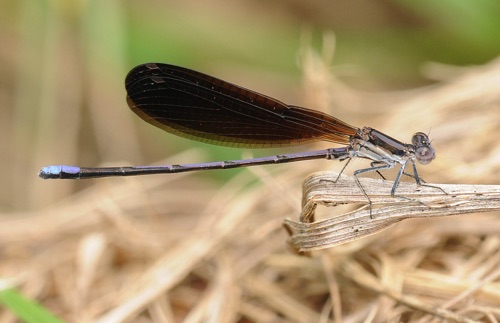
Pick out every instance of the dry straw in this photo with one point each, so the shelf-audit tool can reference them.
(328, 189)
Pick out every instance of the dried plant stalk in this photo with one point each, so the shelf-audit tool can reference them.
(411, 202)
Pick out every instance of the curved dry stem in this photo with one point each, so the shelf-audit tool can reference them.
(411, 201)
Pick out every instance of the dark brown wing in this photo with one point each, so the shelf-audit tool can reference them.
(200, 107)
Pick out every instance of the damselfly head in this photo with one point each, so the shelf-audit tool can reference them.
(424, 153)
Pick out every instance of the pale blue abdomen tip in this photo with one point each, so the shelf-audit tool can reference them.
(58, 171)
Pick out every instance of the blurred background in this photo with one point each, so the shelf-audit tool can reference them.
(396, 65)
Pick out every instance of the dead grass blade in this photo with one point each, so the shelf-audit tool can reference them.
(410, 202)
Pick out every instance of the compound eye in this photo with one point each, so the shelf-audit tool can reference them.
(425, 154)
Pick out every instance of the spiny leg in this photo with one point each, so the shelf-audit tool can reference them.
(365, 170)
(340, 173)
(398, 179)
(421, 182)
(342, 170)
(374, 164)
